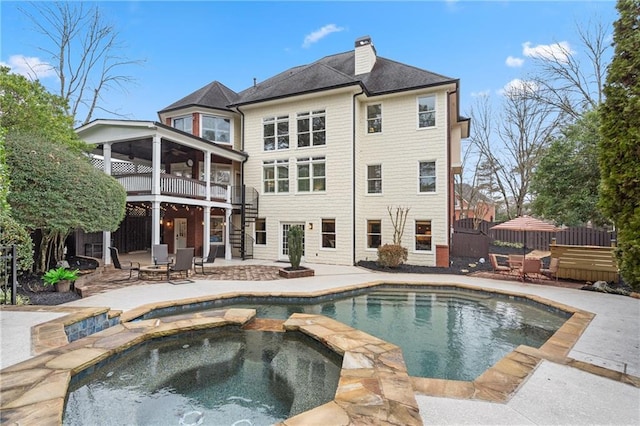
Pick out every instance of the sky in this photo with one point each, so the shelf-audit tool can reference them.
(487, 45)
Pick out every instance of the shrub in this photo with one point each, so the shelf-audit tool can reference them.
(54, 276)
(391, 255)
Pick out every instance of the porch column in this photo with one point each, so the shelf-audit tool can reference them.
(227, 234)
(155, 222)
(156, 163)
(106, 235)
(206, 229)
(207, 175)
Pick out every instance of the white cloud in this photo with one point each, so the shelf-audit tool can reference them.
(29, 66)
(481, 94)
(514, 62)
(316, 36)
(517, 86)
(559, 52)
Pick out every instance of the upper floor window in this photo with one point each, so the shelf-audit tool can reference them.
(184, 123)
(276, 133)
(427, 111)
(374, 118)
(374, 179)
(427, 178)
(311, 174)
(311, 129)
(275, 176)
(216, 129)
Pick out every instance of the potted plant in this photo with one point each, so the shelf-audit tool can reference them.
(294, 240)
(61, 278)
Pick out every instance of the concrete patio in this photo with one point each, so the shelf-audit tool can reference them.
(589, 391)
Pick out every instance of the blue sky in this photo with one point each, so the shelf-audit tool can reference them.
(186, 45)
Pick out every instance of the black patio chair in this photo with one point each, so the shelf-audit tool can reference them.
(133, 266)
(183, 263)
(206, 261)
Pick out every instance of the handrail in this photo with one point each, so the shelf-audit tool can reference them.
(171, 185)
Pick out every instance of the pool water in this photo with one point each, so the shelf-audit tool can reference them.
(214, 377)
(443, 334)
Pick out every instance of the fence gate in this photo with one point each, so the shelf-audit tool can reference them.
(8, 273)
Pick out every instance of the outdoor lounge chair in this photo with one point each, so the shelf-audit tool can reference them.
(552, 270)
(497, 267)
(529, 266)
(184, 263)
(206, 261)
(133, 266)
(161, 255)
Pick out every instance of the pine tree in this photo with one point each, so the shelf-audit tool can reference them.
(619, 150)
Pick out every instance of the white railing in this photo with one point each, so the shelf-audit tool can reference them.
(171, 185)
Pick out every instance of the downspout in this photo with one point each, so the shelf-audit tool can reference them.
(353, 174)
(450, 183)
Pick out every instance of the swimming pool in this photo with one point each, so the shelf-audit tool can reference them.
(207, 377)
(444, 333)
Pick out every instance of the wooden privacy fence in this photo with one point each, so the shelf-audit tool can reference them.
(469, 243)
(586, 263)
(576, 236)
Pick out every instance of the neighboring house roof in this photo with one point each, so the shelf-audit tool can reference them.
(330, 72)
(213, 95)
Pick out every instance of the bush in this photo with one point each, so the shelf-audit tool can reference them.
(391, 255)
(294, 239)
(12, 233)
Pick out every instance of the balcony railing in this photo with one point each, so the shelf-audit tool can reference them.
(178, 186)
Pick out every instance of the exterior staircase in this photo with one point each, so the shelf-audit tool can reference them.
(245, 202)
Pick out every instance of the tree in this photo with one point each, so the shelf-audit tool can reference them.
(566, 180)
(566, 83)
(54, 191)
(86, 54)
(399, 220)
(510, 149)
(28, 107)
(619, 149)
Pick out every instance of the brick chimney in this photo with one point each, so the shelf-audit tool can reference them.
(365, 55)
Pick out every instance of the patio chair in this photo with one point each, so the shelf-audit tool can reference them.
(497, 267)
(515, 261)
(184, 263)
(552, 270)
(206, 261)
(161, 255)
(529, 266)
(133, 266)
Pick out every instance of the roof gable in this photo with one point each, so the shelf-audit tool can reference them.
(213, 95)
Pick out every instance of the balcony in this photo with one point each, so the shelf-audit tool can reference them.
(177, 186)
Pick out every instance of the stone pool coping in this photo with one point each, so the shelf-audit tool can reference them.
(364, 391)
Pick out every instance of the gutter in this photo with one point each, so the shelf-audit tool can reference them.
(353, 174)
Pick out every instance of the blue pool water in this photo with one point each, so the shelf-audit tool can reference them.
(210, 378)
(443, 334)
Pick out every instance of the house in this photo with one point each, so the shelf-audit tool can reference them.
(472, 204)
(327, 146)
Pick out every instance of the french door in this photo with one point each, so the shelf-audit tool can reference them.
(284, 243)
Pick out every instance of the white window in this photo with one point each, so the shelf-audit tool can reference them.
(329, 233)
(311, 174)
(427, 111)
(216, 129)
(374, 234)
(374, 179)
(184, 123)
(275, 176)
(276, 133)
(261, 231)
(423, 235)
(427, 176)
(374, 118)
(311, 129)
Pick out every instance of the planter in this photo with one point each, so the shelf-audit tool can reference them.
(296, 273)
(63, 286)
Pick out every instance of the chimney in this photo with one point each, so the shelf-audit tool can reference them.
(365, 55)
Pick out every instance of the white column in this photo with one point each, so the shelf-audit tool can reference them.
(227, 226)
(156, 163)
(207, 174)
(106, 235)
(206, 230)
(155, 222)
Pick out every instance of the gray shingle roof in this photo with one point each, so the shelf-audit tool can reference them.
(213, 95)
(327, 73)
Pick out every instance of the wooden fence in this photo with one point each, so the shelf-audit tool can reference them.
(575, 236)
